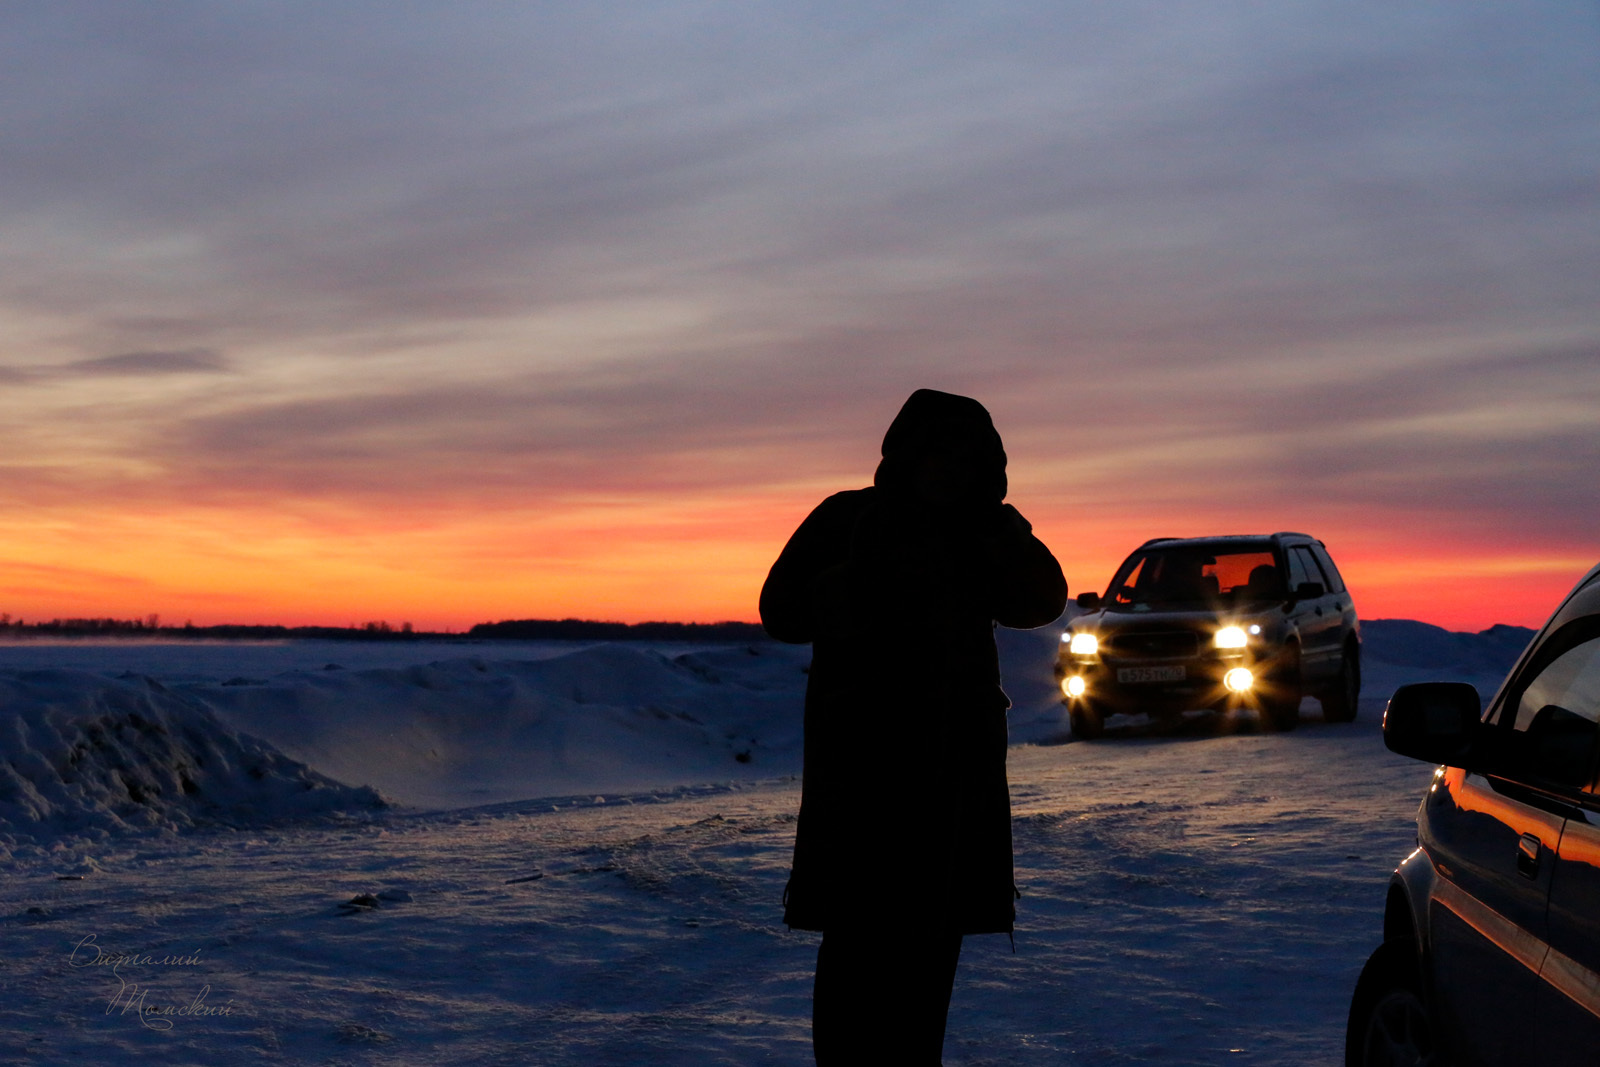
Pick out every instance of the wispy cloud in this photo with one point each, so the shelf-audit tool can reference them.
(193, 361)
(122, 365)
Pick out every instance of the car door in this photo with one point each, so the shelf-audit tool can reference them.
(1343, 603)
(1318, 618)
(1569, 1010)
(1489, 839)
(1513, 963)
(1561, 700)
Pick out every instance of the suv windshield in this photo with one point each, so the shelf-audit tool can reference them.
(1197, 575)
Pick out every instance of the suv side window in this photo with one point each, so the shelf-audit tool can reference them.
(1335, 582)
(1554, 712)
(1302, 568)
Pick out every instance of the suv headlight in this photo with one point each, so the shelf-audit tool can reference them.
(1232, 637)
(1084, 644)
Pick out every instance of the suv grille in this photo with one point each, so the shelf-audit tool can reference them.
(1166, 644)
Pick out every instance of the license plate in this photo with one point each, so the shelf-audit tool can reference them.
(1135, 675)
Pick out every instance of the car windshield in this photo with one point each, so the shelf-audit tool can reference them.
(1196, 575)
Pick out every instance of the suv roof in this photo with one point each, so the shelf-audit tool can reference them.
(1281, 535)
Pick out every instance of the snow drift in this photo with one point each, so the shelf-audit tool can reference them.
(86, 754)
(1405, 642)
(474, 731)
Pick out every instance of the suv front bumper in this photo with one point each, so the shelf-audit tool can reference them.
(1216, 678)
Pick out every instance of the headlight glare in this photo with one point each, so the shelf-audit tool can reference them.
(1231, 637)
(1084, 644)
(1074, 686)
(1238, 680)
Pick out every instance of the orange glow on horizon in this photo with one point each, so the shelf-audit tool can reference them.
(629, 561)
(695, 559)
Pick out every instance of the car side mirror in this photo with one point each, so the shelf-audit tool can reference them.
(1088, 601)
(1308, 591)
(1436, 722)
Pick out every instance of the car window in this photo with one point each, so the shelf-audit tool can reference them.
(1302, 568)
(1554, 711)
(1123, 585)
(1236, 570)
(1197, 575)
(1335, 582)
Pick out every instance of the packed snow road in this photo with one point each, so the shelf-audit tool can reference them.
(1205, 897)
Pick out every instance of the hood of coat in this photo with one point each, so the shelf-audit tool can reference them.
(943, 449)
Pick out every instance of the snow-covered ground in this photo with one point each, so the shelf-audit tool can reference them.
(558, 854)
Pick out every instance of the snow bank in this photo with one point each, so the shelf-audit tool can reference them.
(88, 755)
(86, 752)
(471, 731)
(1407, 643)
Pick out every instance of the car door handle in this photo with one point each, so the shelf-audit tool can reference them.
(1528, 850)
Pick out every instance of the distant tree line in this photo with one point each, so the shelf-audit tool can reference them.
(588, 630)
(82, 627)
(510, 630)
(150, 626)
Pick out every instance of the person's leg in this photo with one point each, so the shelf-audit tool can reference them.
(936, 962)
(882, 997)
(837, 1013)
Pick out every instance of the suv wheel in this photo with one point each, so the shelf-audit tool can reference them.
(1280, 704)
(1087, 722)
(1339, 704)
(1389, 1022)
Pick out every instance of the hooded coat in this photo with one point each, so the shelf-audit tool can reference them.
(905, 813)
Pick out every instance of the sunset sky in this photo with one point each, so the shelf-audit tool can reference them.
(328, 312)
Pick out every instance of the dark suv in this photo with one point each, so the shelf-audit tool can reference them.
(1491, 931)
(1215, 622)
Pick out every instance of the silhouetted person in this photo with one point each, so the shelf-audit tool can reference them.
(904, 838)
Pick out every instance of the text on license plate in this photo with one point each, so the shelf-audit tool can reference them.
(1134, 675)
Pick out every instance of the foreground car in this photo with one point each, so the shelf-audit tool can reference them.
(1215, 622)
(1491, 930)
